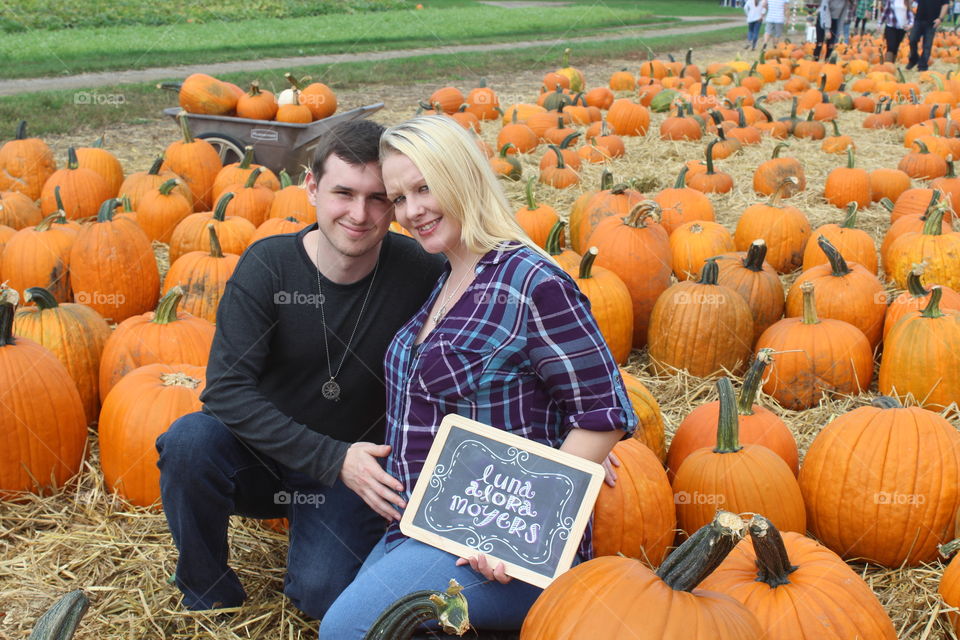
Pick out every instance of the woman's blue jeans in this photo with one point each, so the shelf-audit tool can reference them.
(753, 32)
(413, 566)
(208, 474)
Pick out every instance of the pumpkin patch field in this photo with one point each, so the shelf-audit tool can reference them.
(772, 252)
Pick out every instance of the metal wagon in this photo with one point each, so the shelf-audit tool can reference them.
(276, 145)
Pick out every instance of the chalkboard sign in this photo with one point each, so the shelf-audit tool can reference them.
(510, 498)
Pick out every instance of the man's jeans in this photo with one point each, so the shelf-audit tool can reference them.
(208, 474)
(921, 29)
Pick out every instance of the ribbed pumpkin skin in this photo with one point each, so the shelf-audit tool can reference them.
(233, 174)
(650, 428)
(762, 289)
(855, 245)
(882, 484)
(888, 183)
(82, 190)
(292, 202)
(203, 279)
(641, 257)
(611, 307)
(700, 328)
(906, 302)
(35, 258)
(252, 203)
(25, 165)
(858, 298)
(136, 411)
(902, 226)
(105, 164)
(42, 425)
(941, 253)
(683, 205)
(691, 243)
(614, 597)
(18, 210)
(921, 357)
(136, 185)
(602, 205)
(158, 214)
(113, 269)
(699, 430)
(824, 600)
(786, 231)
(75, 334)
(198, 164)
(201, 93)
(137, 341)
(753, 479)
(834, 356)
(192, 235)
(636, 517)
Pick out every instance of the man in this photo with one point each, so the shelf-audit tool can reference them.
(830, 18)
(929, 17)
(295, 397)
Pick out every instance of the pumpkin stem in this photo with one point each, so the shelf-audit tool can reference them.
(42, 297)
(107, 209)
(184, 130)
(777, 194)
(922, 145)
(528, 191)
(914, 286)
(21, 133)
(756, 255)
(552, 245)
(566, 142)
(850, 160)
(252, 178)
(850, 222)
(220, 212)
(72, 162)
(809, 304)
(751, 382)
(932, 310)
(728, 424)
(682, 178)
(606, 180)
(59, 200)
(710, 170)
(773, 563)
(586, 263)
(167, 307)
(887, 204)
(8, 307)
(709, 272)
(950, 171)
(836, 128)
(640, 212)
(155, 167)
(886, 402)
(216, 251)
(702, 552)
(44, 225)
(947, 549)
(285, 180)
(779, 147)
(400, 619)
(560, 163)
(837, 263)
(247, 157)
(933, 226)
(167, 186)
(61, 620)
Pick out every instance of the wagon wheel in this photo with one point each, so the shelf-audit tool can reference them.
(229, 148)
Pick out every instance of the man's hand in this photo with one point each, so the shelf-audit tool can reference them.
(363, 475)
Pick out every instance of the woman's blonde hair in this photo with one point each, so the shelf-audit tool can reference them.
(460, 178)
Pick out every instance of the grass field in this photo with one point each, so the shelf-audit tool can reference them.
(44, 52)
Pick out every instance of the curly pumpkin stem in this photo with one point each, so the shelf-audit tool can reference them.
(728, 423)
(560, 163)
(44, 225)
(752, 381)
(777, 194)
(710, 146)
(42, 297)
(702, 552)
(9, 298)
(778, 148)
(773, 563)
(809, 304)
(220, 211)
(400, 619)
(850, 221)
(167, 307)
(837, 263)
(947, 549)
(756, 254)
(932, 310)
(586, 263)
(914, 285)
(166, 187)
(640, 212)
(107, 209)
(567, 141)
(681, 178)
(552, 245)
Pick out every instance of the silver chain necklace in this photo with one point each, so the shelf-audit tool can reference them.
(330, 388)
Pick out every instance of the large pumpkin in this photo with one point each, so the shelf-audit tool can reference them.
(203, 277)
(82, 190)
(854, 244)
(798, 589)
(649, 418)
(25, 164)
(137, 410)
(42, 425)
(197, 162)
(785, 230)
(749, 274)
(40, 257)
(610, 304)
(881, 484)
(616, 597)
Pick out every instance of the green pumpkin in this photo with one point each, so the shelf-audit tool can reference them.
(662, 102)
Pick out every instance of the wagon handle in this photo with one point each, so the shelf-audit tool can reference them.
(170, 86)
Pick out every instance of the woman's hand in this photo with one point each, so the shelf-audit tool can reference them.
(480, 565)
(610, 476)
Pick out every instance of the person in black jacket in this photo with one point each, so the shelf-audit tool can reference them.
(294, 404)
(929, 17)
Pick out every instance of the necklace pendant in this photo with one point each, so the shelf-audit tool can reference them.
(331, 390)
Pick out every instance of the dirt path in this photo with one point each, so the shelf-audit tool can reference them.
(90, 80)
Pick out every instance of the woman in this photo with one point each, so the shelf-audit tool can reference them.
(896, 17)
(864, 13)
(754, 11)
(506, 339)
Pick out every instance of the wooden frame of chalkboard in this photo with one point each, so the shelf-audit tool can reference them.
(518, 501)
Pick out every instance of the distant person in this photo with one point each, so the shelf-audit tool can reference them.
(774, 17)
(929, 17)
(863, 13)
(830, 17)
(754, 11)
(896, 18)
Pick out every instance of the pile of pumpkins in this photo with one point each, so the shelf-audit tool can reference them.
(880, 483)
(303, 102)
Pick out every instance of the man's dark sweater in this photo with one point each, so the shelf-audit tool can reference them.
(929, 10)
(268, 362)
